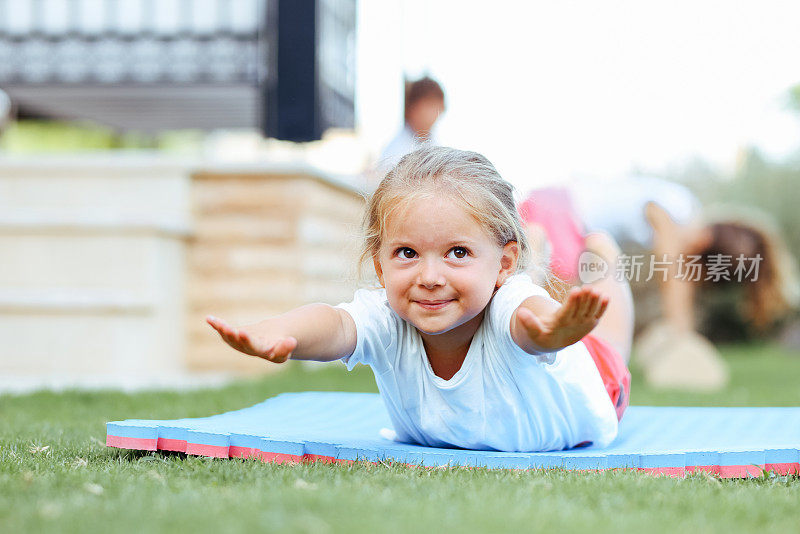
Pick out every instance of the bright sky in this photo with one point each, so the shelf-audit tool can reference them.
(550, 90)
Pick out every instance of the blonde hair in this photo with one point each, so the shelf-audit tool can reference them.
(466, 177)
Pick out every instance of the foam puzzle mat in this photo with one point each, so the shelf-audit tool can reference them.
(345, 427)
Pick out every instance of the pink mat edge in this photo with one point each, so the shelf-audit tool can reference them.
(215, 451)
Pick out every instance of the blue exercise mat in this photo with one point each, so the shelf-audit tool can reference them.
(345, 427)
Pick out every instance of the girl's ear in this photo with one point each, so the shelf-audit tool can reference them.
(378, 270)
(508, 262)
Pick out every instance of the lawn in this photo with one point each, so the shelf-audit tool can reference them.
(57, 475)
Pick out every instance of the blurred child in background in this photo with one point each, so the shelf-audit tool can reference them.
(424, 103)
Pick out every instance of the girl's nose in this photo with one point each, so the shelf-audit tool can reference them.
(430, 274)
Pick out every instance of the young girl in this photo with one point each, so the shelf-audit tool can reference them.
(466, 350)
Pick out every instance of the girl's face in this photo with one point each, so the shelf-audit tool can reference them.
(440, 267)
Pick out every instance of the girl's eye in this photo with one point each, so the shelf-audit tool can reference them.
(458, 253)
(405, 253)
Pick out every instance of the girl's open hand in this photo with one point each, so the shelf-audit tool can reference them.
(567, 325)
(277, 349)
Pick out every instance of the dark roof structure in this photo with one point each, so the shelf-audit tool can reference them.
(284, 66)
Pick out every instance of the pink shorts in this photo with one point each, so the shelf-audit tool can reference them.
(613, 371)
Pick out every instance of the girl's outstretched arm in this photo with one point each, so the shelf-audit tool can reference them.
(312, 332)
(542, 325)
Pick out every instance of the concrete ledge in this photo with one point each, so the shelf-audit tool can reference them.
(97, 221)
(109, 163)
(71, 301)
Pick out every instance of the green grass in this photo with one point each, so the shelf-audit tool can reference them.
(57, 475)
(38, 136)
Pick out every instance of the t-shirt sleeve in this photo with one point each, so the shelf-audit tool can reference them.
(376, 328)
(509, 296)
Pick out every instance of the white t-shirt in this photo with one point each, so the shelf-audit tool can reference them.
(618, 206)
(502, 398)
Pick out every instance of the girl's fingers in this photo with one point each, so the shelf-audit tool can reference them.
(602, 309)
(579, 305)
(235, 337)
(580, 310)
(573, 304)
(592, 304)
(219, 325)
(224, 332)
(229, 339)
(211, 321)
(255, 347)
(274, 352)
(216, 322)
(595, 306)
(587, 304)
(602, 304)
(230, 335)
(244, 341)
(282, 350)
(241, 336)
(287, 346)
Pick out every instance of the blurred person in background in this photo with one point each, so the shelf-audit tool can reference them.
(648, 214)
(424, 102)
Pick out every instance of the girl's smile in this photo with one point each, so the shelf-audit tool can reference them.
(433, 304)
